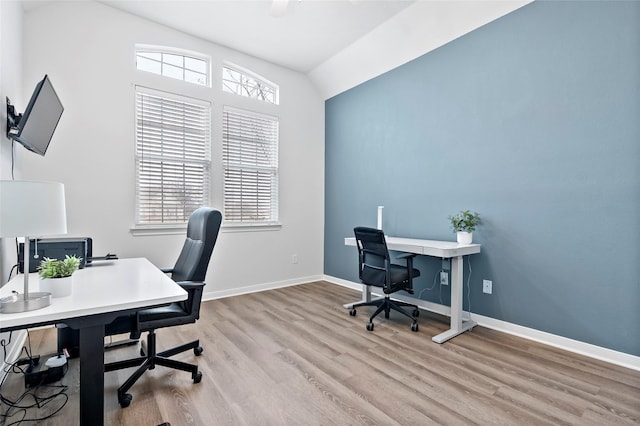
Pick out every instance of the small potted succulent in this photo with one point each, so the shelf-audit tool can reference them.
(56, 275)
(463, 224)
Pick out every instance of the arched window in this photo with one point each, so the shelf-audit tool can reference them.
(188, 67)
(245, 83)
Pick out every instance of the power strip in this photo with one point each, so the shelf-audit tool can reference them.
(53, 370)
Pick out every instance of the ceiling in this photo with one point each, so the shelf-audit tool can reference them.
(297, 34)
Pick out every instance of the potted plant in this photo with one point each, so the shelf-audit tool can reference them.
(56, 275)
(463, 224)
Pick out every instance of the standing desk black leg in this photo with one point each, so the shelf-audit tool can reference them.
(92, 375)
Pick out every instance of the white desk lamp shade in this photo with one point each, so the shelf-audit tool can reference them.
(30, 209)
(33, 209)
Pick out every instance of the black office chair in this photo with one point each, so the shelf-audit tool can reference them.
(189, 271)
(375, 269)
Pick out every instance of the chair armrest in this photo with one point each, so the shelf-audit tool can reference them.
(190, 307)
(194, 289)
(167, 270)
(409, 258)
(190, 285)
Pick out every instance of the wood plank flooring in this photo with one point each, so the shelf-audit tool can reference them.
(294, 356)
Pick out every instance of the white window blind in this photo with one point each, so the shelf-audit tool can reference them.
(250, 158)
(173, 156)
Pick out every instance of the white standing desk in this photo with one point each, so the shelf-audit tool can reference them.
(101, 293)
(445, 250)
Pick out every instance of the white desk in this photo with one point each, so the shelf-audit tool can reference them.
(443, 249)
(100, 293)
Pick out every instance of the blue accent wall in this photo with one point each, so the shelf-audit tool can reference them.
(534, 122)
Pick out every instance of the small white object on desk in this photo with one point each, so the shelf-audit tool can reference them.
(380, 216)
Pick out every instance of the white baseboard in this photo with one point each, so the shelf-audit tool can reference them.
(212, 295)
(575, 346)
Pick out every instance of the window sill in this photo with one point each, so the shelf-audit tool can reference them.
(180, 228)
(173, 229)
(251, 227)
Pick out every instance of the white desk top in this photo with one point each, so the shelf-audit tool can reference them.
(444, 249)
(104, 287)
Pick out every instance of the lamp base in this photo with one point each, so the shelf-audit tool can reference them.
(18, 303)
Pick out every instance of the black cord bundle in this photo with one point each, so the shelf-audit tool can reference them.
(20, 406)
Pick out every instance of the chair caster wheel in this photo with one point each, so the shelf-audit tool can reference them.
(125, 400)
(416, 313)
(198, 350)
(414, 326)
(352, 312)
(370, 326)
(197, 377)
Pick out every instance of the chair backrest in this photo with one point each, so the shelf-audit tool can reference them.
(202, 233)
(373, 256)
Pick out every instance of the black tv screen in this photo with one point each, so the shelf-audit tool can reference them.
(40, 119)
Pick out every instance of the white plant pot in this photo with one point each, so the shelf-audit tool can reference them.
(58, 287)
(464, 237)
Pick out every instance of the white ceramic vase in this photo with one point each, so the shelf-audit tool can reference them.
(464, 237)
(58, 287)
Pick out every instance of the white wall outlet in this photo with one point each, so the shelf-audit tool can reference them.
(487, 286)
(294, 258)
(444, 278)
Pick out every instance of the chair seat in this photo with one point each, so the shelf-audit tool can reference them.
(126, 324)
(399, 278)
(174, 310)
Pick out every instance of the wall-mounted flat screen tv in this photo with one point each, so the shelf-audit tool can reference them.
(34, 128)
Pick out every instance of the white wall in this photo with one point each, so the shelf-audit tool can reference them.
(88, 51)
(10, 86)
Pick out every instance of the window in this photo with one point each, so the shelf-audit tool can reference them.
(187, 68)
(250, 159)
(173, 156)
(244, 84)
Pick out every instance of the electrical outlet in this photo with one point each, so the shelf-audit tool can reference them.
(294, 258)
(487, 286)
(444, 278)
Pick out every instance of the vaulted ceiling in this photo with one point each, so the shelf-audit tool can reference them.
(338, 43)
(297, 34)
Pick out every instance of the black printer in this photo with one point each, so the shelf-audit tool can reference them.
(55, 248)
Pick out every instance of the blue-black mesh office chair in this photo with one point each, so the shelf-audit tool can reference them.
(189, 271)
(375, 269)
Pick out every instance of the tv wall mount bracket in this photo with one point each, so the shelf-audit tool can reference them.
(13, 119)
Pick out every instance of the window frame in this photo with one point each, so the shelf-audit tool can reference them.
(245, 73)
(147, 48)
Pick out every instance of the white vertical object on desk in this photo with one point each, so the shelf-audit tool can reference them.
(380, 216)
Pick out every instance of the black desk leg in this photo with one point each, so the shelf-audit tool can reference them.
(92, 375)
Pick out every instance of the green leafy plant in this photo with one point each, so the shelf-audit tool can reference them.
(464, 221)
(54, 268)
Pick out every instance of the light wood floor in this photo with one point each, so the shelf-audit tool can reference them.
(294, 356)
